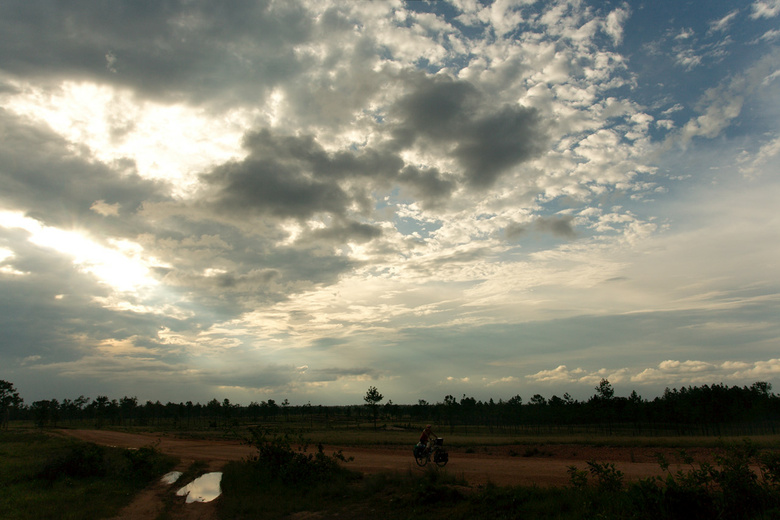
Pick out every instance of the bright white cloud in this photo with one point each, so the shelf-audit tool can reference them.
(765, 8)
(123, 267)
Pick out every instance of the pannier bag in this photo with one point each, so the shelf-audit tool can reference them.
(418, 449)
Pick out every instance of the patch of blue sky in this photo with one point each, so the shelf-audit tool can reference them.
(677, 55)
(451, 14)
(408, 226)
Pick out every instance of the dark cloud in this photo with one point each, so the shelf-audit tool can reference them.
(514, 231)
(348, 232)
(439, 109)
(429, 186)
(294, 177)
(560, 226)
(248, 373)
(333, 374)
(200, 50)
(496, 142)
(265, 186)
(486, 140)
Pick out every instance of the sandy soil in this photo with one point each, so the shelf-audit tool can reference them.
(543, 465)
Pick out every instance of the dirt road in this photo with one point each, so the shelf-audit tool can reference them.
(504, 465)
(544, 465)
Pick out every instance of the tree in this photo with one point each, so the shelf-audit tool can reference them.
(9, 398)
(372, 399)
(604, 391)
(127, 406)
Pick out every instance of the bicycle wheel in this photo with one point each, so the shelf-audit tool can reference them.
(422, 460)
(441, 458)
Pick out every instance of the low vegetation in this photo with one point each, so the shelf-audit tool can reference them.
(47, 476)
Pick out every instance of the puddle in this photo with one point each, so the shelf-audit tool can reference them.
(203, 489)
(170, 478)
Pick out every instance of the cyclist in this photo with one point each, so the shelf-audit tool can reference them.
(426, 438)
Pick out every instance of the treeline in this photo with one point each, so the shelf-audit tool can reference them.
(704, 410)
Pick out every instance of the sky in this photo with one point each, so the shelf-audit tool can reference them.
(299, 199)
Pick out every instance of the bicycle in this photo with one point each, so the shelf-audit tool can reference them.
(422, 455)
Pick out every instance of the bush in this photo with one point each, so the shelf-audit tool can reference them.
(80, 461)
(85, 460)
(276, 457)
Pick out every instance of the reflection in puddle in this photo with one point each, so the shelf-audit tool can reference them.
(203, 489)
(170, 478)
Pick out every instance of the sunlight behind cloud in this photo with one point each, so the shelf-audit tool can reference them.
(168, 142)
(123, 268)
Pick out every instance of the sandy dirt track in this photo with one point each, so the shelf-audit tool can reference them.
(543, 465)
(503, 465)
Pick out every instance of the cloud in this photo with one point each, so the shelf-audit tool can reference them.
(722, 104)
(669, 372)
(157, 50)
(765, 9)
(723, 23)
(62, 185)
(560, 226)
(485, 141)
(350, 186)
(614, 24)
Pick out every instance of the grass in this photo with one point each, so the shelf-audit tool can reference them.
(46, 476)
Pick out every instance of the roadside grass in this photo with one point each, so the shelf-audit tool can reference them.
(53, 477)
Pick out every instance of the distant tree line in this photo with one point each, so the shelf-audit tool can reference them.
(704, 410)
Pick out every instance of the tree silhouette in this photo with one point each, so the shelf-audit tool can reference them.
(9, 398)
(372, 399)
(605, 391)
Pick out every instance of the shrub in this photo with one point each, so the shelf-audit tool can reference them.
(85, 460)
(277, 457)
(80, 461)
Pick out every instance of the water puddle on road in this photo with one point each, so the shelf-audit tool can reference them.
(170, 478)
(203, 489)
